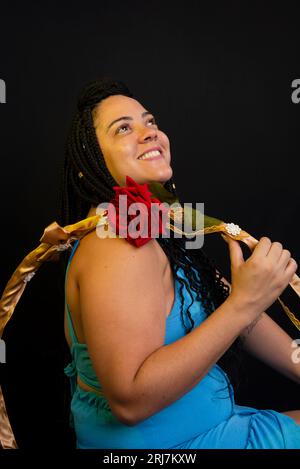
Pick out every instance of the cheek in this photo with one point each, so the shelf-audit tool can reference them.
(126, 148)
(108, 157)
(165, 142)
(118, 160)
(164, 139)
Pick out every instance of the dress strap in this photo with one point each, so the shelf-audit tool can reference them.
(69, 318)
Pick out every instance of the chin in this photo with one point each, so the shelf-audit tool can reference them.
(165, 176)
(162, 177)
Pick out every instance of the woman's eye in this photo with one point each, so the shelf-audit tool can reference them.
(124, 126)
(122, 129)
(152, 121)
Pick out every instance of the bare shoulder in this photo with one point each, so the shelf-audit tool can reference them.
(122, 305)
(109, 253)
(112, 266)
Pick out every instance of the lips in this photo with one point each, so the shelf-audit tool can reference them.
(150, 149)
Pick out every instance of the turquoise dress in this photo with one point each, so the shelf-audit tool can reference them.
(205, 417)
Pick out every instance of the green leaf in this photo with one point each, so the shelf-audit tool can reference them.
(161, 193)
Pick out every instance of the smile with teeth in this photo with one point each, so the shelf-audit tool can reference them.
(150, 154)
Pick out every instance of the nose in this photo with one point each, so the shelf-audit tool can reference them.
(148, 134)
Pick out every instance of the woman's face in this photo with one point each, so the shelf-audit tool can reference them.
(126, 131)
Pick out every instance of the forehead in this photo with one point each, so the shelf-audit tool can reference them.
(117, 106)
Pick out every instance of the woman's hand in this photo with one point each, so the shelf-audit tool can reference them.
(258, 281)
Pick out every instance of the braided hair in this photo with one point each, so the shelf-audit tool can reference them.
(83, 156)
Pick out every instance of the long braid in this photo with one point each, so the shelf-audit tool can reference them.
(83, 156)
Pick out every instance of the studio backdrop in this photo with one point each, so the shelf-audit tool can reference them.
(222, 82)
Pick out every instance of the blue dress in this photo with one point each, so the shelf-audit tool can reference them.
(205, 417)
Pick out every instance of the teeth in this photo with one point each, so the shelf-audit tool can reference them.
(150, 154)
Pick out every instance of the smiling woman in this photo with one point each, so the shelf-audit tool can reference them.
(153, 327)
(129, 141)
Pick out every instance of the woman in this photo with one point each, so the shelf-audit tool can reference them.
(148, 327)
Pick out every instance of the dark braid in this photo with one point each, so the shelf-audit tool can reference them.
(83, 156)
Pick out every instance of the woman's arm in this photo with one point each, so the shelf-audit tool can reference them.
(267, 341)
(123, 315)
(122, 305)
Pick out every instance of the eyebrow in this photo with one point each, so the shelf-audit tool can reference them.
(145, 113)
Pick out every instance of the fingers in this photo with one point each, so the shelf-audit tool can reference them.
(284, 259)
(279, 258)
(291, 268)
(262, 248)
(287, 265)
(275, 251)
(236, 253)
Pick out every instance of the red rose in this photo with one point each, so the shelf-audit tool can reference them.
(136, 226)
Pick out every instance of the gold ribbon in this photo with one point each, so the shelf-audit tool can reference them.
(7, 439)
(55, 239)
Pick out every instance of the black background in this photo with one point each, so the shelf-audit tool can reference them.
(218, 78)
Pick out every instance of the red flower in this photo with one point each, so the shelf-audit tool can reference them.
(145, 214)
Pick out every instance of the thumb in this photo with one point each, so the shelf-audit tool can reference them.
(235, 251)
